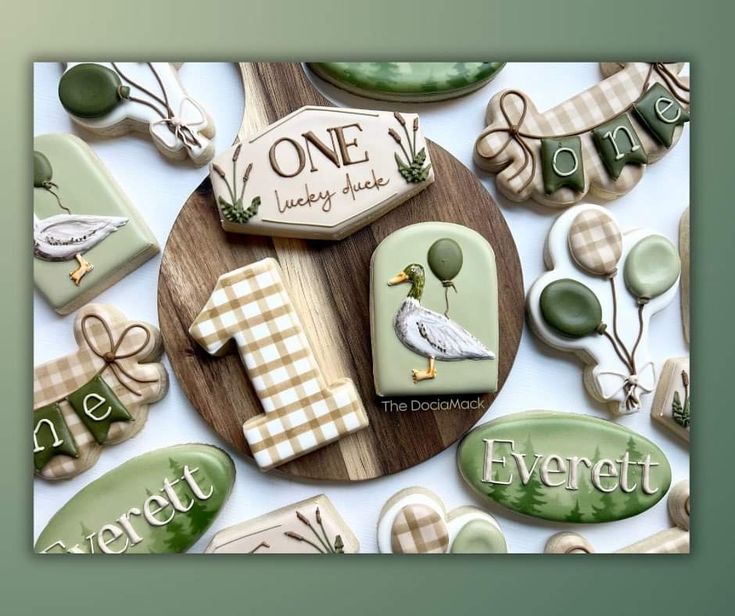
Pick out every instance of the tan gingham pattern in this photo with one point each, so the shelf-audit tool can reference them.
(251, 306)
(670, 541)
(58, 378)
(601, 102)
(595, 242)
(419, 529)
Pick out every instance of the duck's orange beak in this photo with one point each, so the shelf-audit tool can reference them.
(398, 279)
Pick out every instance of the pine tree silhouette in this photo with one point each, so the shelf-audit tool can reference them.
(575, 515)
(632, 504)
(606, 509)
(529, 501)
(458, 77)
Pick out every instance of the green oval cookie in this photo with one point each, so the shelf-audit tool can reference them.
(408, 81)
(652, 267)
(479, 537)
(90, 90)
(571, 308)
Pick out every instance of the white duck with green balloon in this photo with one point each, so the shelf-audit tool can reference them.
(428, 333)
(68, 236)
(579, 306)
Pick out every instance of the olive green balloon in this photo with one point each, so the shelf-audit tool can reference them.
(571, 308)
(42, 170)
(90, 90)
(479, 537)
(652, 267)
(445, 258)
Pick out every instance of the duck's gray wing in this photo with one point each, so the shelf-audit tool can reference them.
(450, 339)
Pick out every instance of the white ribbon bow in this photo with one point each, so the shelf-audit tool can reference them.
(631, 384)
(171, 132)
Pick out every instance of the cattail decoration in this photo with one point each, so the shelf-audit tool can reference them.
(399, 117)
(219, 171)
(416, 124)
(324, 545)
(236, 154)
(247, 173)
(395, 135)
(685, 379)
(302, 518)
(413, 168)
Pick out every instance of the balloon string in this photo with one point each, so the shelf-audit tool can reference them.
(49, 186)
(615, 322)
(617, 351)
(446, 284)
(641, 305)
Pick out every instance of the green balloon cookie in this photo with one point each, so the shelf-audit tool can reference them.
(91, 90)
(652, 267)
(42, 171)
(479, 537)
(571, 308)
(408, 81)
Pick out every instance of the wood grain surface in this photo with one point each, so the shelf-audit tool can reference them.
(329, 284)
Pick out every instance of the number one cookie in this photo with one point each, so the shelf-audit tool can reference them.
(251, 306)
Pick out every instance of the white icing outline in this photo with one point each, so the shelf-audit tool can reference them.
(603, 366)
(455, 520)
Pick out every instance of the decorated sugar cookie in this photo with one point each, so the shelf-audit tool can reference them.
(434, 312)
(415, 521)
(564, 467)
(301, 411)
(408, 81)
(160, 502)
(321, 173)
(311, 526)
(97, 395)
(113, 98)
(684, 254)
(86, 233)
(598, 297)
(670, 541)
(671, 403)
(595, 145)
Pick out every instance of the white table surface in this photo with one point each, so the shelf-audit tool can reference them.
(540, 379)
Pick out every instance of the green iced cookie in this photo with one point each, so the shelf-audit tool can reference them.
(408, 81)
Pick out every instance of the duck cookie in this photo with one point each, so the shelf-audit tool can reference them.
(86, 233)
(158, 503)
(594, 145)
(563, 467)
(311, 526)
(671, 402)
(670, 541)
(415, 521)
(420, 82)
(321, 173)
(434, 312)
(97, 395)
(301, 411)
(596, 301)
(114, 98)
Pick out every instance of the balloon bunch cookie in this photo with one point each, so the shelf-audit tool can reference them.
(113, 98)
(581, 306)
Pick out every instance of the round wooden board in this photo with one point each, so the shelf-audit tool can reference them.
(329, 284)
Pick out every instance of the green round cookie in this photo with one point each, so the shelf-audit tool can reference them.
(571, 308)
(90, 90)
(652, 267)
(408, 81)
(479, 537)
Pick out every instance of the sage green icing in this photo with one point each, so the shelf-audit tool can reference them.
(628, 488)
(474, 306)
(408, 81)
(479, 537)
(122, 494)
(102, 408)
(46, 435)
(629, 147)
(566, 162)
(42, 171)
(86, 187)
(90, 90)
(661, 113)
(571, 308)
(445, 258)
(651, 267)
